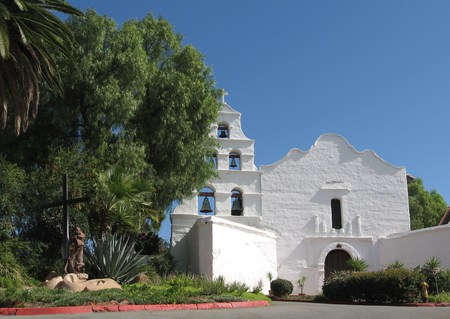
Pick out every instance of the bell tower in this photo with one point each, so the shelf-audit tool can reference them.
(237, 190)
(233, 196)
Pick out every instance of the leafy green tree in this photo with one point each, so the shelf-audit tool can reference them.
(103, 83)
(174, 120)
(148, 89)
(29, 35)
(43, 227)
(12, 187)
(135, 98)
(133, 88)
(425, 208)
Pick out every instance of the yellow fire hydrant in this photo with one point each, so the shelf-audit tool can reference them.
(424, 293)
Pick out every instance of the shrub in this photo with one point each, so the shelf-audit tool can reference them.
(258, 288)
(388, 286)
(237, 288)
(217, 286)
(281, 287)
(334, 287)
(444, 280)
(160, 260)
(12, 274)
(442, 297)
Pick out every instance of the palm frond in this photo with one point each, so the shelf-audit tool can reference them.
(4, 39)
(30, 33)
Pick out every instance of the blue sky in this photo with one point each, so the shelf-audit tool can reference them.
(376, 72)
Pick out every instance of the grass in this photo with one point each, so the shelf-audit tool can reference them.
(440, 298)
(177, 289)
(250, 296)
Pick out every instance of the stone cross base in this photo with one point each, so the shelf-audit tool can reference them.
(79, 282)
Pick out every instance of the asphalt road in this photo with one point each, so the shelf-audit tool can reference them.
(279, 310)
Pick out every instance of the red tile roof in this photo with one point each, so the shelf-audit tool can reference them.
(446, 218)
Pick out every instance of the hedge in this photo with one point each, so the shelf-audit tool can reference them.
(387, 286)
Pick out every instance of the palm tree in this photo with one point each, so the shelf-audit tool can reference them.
(29, 35)
(123, 204)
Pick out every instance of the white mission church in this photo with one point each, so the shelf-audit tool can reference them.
(304, 215)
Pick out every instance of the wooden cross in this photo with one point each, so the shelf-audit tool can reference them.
(65, 204)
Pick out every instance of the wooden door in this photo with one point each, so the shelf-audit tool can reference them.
(336, 260)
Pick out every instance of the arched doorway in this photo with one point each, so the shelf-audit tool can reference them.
(336, 260)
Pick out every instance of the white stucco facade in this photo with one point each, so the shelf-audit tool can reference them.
(297, 211)
(222, 248)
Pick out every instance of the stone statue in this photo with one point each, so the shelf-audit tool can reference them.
(74, 263)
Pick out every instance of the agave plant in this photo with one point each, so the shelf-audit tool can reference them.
(396, 264)
(114, 257)
(357, 264)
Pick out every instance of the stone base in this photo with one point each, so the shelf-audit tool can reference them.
(79, 282)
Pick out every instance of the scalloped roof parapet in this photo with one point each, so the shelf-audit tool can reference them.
(337, 138)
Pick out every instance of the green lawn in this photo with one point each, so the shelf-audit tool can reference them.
(175, 290)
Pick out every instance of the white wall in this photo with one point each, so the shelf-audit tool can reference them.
(242, 253)
(217, 247)
(415, 247)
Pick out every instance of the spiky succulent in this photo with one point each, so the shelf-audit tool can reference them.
(114, 257)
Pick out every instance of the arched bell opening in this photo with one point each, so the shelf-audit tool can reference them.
(206, 201)
(237, 207)
(223, 131)
(234, 161)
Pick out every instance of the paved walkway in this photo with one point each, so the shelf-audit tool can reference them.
(279, 310)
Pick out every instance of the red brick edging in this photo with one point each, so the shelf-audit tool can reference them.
(116, 308)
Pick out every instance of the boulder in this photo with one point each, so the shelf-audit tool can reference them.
(54, 282)
(100, 284)
(141, 278)
(73, 283)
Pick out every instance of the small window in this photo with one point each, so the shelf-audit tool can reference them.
(336, 214)
(234, 161)
(237, 207)
(222, 131)
(206, 201)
